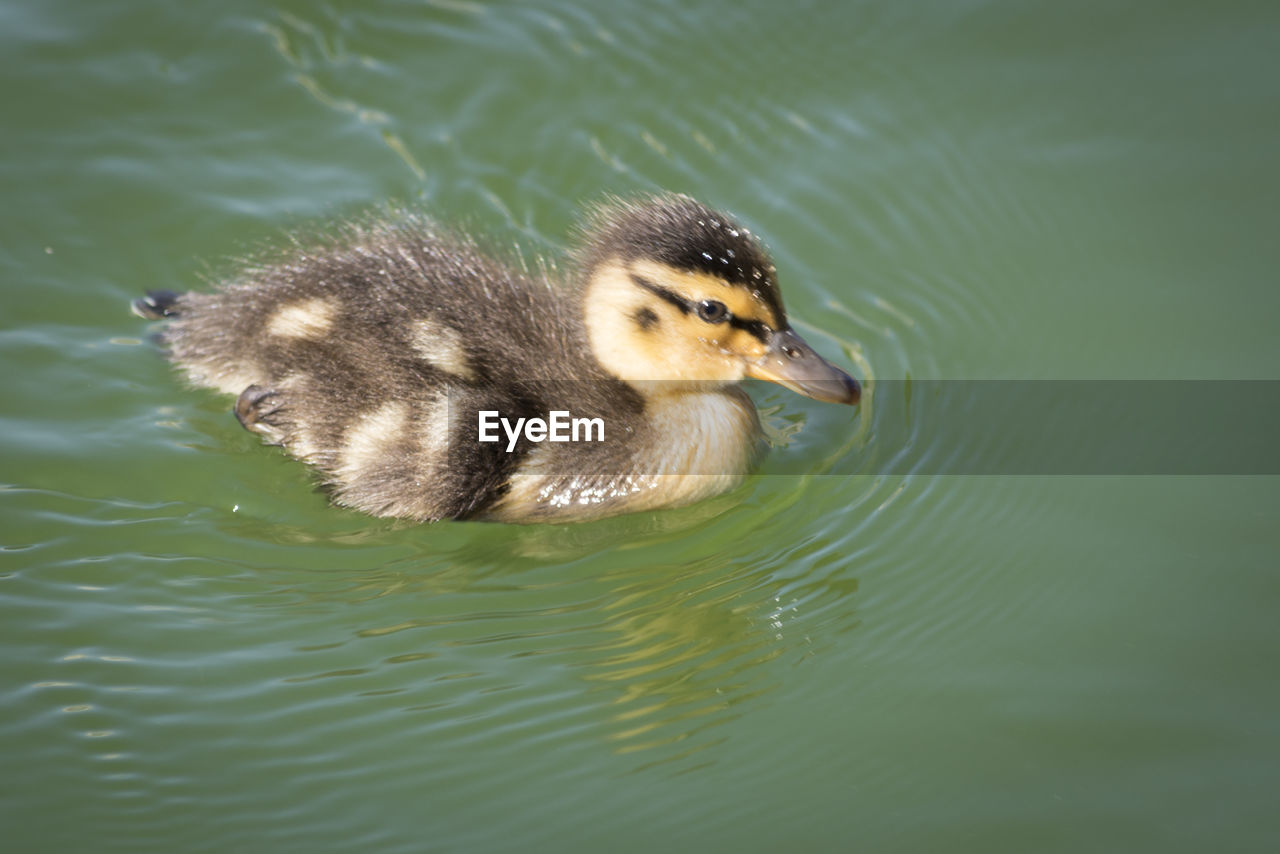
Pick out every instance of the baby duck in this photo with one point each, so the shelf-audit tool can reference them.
(389, 357)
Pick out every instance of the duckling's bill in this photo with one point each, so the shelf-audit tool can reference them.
(792, 363)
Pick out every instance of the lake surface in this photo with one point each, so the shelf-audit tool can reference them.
(852, 651)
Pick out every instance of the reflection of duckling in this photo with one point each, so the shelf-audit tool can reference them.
(372, 358)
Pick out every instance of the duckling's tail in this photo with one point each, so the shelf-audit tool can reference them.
(156, 305)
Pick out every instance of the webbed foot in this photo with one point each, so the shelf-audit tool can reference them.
(258, 410)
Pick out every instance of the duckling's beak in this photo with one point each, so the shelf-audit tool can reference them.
(792, 363)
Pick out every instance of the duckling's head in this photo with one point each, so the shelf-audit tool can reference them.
(675, 291)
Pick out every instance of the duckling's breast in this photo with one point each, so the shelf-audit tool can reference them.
(685, 448)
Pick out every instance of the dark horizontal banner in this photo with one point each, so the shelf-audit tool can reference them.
(1071, 427)
(934, 427)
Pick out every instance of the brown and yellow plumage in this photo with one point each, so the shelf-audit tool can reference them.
(369, 356)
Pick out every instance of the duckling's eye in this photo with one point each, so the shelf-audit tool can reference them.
(713, 311)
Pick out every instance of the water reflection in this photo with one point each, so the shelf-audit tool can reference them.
(686, 651)
(519, 628)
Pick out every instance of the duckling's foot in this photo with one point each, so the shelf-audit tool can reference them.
(255, 410)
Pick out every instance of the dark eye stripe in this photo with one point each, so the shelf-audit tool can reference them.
(670, 296)
(754, 328)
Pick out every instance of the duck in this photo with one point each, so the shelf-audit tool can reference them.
(424, 378)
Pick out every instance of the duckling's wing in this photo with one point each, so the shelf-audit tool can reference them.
(353, 354)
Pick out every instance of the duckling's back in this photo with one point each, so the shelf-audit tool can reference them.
(368, 356)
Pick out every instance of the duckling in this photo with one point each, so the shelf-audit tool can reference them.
(396, 358)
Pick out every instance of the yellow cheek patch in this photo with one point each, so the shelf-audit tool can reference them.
(746, 344)
(725, 337)
(639, 334)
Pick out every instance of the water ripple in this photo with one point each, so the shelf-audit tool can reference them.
(202, 652)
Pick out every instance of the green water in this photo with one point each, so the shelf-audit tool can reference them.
(200, 654)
